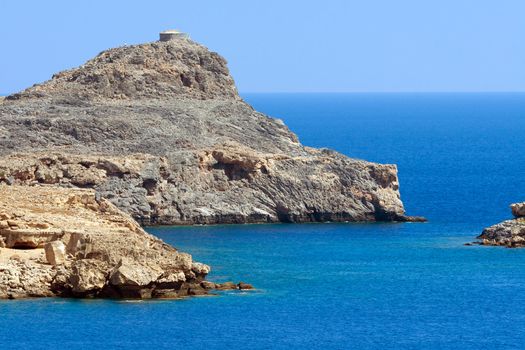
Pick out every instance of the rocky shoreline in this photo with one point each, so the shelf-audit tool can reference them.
(72, 243)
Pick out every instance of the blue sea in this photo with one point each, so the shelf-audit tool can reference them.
(344, 286)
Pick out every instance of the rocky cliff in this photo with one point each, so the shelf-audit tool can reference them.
(160, 131)
(509, 233)
(69, 242)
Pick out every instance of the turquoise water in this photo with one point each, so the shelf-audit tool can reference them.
(344, 286)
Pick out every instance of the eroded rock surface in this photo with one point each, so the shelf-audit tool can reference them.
(92, 249)
(159, 130)
(509, 233)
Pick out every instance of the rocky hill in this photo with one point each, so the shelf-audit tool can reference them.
(159, 130)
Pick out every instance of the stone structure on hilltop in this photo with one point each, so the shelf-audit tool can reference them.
(168, 35)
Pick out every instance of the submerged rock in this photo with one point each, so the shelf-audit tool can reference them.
(509, 233)
(159, 130)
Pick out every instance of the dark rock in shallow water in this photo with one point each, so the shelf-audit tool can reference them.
(208, 285)
(242, 285)
(233, 286)
(160, 131)
(407, 218)
(226, 286)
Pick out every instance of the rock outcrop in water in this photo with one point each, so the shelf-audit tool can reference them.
(509, 233)
(69, 242)
(160, 131)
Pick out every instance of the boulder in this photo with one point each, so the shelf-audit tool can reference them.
(518, 209)
(195, 289)
(128, 273)
(55, 252)
(200, 269)
(208, 285)
(242, 285)
(226, 286)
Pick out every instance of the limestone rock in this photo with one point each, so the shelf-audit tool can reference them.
(55, 252)
(128, 273)
(16, 237)
(23, 274)
(200, 269)
(160, 131)
(87, 277)
(94, 250)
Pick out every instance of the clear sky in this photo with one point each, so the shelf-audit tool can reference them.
(286, 46)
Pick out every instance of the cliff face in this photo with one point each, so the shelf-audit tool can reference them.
(159, 130)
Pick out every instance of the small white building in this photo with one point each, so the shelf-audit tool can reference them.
(172, 34)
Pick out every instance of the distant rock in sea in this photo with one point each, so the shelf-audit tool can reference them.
(509, 233)
(159, 130)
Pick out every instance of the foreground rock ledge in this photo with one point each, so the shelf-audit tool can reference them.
(159, 130)
(69, 242)
(509, 233)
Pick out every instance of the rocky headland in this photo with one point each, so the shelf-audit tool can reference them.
(160, 131)
(509, 233)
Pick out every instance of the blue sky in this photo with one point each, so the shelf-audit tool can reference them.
(286, 46)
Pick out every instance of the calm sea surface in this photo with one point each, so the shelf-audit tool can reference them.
(344, 286)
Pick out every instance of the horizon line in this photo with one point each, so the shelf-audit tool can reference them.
(3, 94)
(385, 92)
